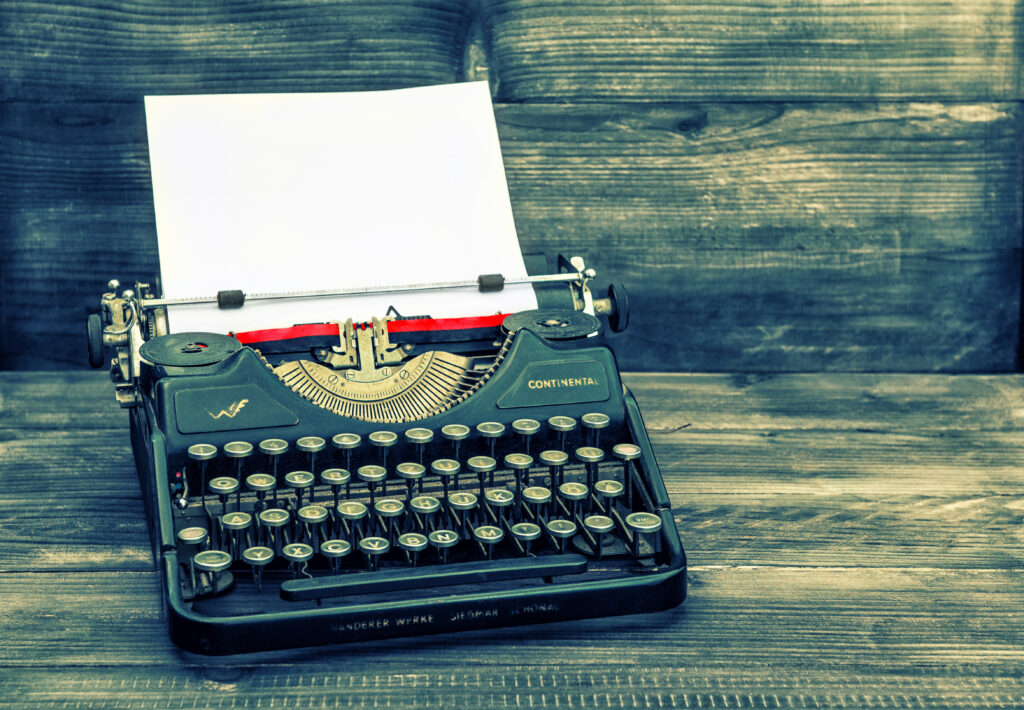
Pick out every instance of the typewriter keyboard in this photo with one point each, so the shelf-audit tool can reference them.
(312, 519)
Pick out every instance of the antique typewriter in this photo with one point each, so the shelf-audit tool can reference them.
(344, 481)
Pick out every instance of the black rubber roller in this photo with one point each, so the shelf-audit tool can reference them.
(94, 331)
(619, 296)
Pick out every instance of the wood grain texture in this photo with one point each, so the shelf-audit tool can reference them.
(753, 237)
(122, 51)
(565, 50)
(854, 540)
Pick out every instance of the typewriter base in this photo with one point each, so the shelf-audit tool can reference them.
(653, 590)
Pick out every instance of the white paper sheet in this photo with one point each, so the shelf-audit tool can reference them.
(287, 192)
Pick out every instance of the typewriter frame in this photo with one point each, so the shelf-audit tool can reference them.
(216, 635)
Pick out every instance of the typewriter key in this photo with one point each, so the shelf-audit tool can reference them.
(607, 491)
(590, 457)
(598, 526)
(594, 422)
(418, 438)
(572, 493)
(488, 536)
(274, 522)
(201, 453)
(526, 533)
(212, 563)
(642, 524)
(313, 517)
(274, 448)
(455, 433)
(334, 551)
(298, 554)
(560, 531)
(442, 540)
(383, 440)
(561, 426)
(491, 432)
(554, 460)
(461, 505)
(311, 445)
(346, 443)
(260, 483)
(537, 499)
(446, 469)
(299, 481)
(526, 428)
(351, 512)
(413, 544)
(389, 511)
(424, 508)
(373, 548)
(499, 500)
(193, 538)
(626, 453)
(235, 524)
(223, 487)
(336, 478)
(411, 472)
(481, 466)
(520, 465)
(240, 451)
(372, 475)
(257, 558)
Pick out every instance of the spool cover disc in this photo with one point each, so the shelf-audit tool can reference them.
(188, 349)
(553, 324)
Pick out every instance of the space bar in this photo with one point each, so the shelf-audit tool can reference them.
(397, 579)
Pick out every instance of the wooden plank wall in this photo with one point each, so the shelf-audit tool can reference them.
(784, 186)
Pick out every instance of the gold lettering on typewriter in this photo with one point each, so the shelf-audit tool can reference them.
(561, 382)
(231, 411)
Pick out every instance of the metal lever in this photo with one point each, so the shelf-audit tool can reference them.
(397, 579)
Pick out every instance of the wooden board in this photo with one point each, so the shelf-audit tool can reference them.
(753, 237)
(854, 540)
(564, 50)
(75, 52)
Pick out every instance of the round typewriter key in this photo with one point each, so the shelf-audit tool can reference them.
(520, 465)
(351, 512)
(383, 440)
(572, 493)
(373, 548)
(346, 443)
(223, 485)
(488, 536)
(274, 517)
(442, 540)
(555, 461)
(598, 526)
(538, 499)
(257, 557)
(212, 562)
(299, 481)
(418, 438)
(313, 517)
(274, 448)
(626, 453)
(413, 544)
(297, 554)
(202, 452)
(526, 533)
(336, 478)
(455, 433)
(311, 445)
(526, 428)
(562, 426)
(491, 432)
(481, 466)
(424, 508)
(237, 521)
(274, 522)
(499, 500)
(260, 482)
(446, 469)
(372, 475)
(590, 457)
(641, 524)
(193, 536)
(561, 530)
(608, 491)
(238, 450)
(411, 472)
(594, 422)
(334, 551)
(389, 509)
(461, 504)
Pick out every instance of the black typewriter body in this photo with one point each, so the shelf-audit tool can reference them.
(534, 498)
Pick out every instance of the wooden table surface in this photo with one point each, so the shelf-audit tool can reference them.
(854, 541)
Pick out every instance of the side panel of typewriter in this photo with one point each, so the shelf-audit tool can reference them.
(205, 626)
